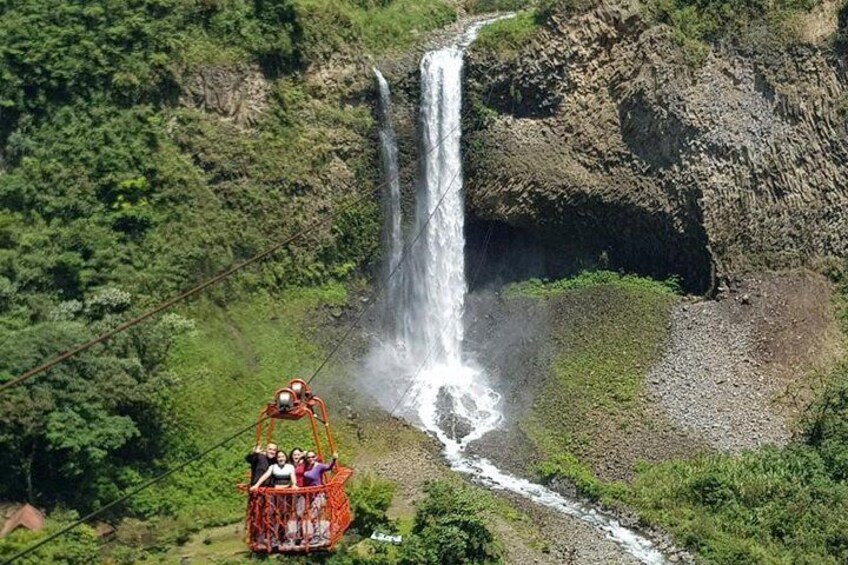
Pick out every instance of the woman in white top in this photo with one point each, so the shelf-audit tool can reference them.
(281, 473)
(279, 507)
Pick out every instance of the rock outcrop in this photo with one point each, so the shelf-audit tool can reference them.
(238, 93)
(607, 142)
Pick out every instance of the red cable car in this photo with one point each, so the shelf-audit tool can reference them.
(303, 519)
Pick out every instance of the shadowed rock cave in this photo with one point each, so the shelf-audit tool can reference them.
(620, 237)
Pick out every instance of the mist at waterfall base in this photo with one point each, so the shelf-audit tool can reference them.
(418, 367)
(420, 352)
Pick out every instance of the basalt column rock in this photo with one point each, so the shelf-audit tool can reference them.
(608, 142)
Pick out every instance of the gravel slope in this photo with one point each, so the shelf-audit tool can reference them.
(736, 371)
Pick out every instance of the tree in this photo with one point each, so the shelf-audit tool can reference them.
(65, 435)
(449, 528)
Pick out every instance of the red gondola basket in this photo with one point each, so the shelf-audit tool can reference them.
(304, 519)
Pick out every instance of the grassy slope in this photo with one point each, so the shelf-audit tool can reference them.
(609, 331)
(772, 505)
(226, 371)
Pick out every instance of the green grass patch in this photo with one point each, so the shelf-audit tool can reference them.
(567, 466)
(506, 38)
(543, 288)
(349, 26)
(484, 6)
(611, 330)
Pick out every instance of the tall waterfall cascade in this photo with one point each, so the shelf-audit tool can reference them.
(392, 230)
(421, 369)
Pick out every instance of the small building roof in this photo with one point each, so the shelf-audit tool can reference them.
(26, 516)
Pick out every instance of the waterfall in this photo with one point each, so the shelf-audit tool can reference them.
(437, 266)
(422, 368)
(392, 234)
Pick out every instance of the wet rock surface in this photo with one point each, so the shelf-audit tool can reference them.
(455, 426)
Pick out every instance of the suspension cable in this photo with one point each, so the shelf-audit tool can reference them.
(62, 357)
(242, 431)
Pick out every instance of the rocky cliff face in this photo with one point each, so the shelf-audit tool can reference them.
(605, 142)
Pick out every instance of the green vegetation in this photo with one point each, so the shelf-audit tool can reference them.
(617, 325)
(567, 466)
(256, 346)
(786, 505)
(78, 547)
(122, 186)
(538, 288)
(331, 26)
(773, 505)
(483, 6)
(751, 25)
(449, 528)
(370, 498)
(506, 38)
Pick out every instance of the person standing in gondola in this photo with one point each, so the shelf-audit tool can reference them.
(280, 505)
(260, 462)
(313, 476)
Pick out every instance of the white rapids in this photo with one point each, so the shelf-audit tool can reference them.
(427, 377)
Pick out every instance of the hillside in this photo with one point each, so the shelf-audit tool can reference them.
(655, 286)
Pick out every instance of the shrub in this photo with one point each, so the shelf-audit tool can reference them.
(76, 547)
(449, 528)
(506, 38)
(370, 498)
(828, 430)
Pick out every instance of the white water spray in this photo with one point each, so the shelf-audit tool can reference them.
(448, 393)
(392, 234)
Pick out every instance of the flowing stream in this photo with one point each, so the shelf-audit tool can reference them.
(446, 392)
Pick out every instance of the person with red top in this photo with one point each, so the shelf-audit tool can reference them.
(297, 459)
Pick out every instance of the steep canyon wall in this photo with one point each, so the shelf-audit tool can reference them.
(600, 139)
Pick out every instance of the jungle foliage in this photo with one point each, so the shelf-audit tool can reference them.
(773, 505)
(116, 193)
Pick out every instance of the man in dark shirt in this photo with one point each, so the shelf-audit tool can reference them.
(259, 462)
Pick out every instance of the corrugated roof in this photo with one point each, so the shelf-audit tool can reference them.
(27, 517)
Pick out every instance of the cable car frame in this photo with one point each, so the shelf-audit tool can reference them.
(303, 519)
